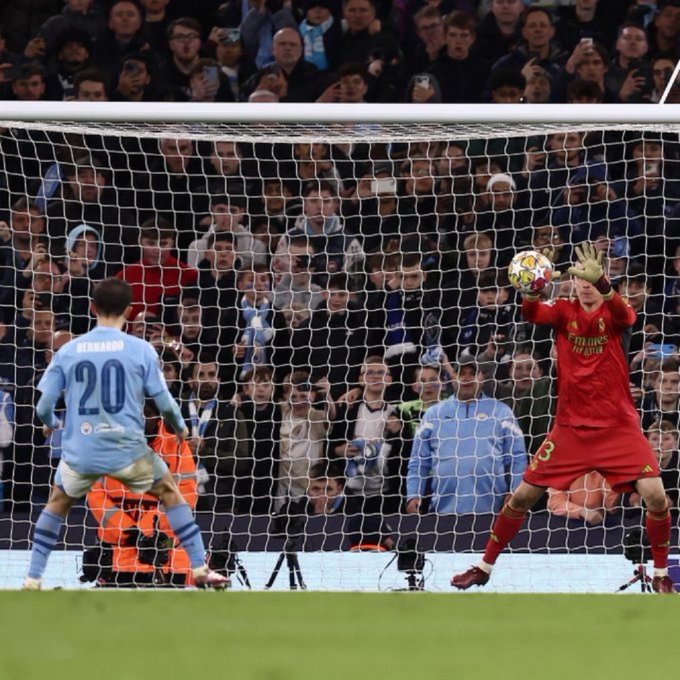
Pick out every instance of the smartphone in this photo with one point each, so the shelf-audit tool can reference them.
(211, 75)
(384, 185)
(651, 169)
(422, 82)
(661, 351)
(587, 42)
(228, 35)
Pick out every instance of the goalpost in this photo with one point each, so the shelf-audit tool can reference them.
(323, 236)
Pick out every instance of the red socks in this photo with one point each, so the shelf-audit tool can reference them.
(504, 529)
(658, 526)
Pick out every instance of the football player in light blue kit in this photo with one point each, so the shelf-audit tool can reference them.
(105, 376)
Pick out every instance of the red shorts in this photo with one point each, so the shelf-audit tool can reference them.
(620, 455)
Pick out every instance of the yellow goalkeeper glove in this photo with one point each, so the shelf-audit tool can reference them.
(589, 267)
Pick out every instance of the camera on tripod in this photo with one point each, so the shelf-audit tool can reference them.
(289, 523)
(225, 560)
(636, 549)
(411, 562)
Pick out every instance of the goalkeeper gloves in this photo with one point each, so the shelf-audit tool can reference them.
(589, 268)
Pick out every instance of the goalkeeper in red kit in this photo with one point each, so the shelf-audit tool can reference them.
(596, 426)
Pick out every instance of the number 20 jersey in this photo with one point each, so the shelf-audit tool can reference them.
(104, 375)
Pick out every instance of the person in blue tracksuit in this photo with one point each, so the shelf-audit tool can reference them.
(471, 448)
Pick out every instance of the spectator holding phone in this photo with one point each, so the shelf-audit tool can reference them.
(423, 88)
(629, 76)
(235, 65)
(663, 403)
(134, 80)
(207, 83)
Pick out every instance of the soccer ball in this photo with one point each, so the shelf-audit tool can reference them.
(530, 271)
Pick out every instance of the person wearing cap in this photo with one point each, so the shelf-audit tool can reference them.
(236, 65)
(73, 52)
(78, 15)
(469, 447)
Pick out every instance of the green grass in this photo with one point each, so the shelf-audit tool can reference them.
(299, 636)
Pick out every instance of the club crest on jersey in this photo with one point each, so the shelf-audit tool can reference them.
(573, 324)
(600, 325)
(86, 428)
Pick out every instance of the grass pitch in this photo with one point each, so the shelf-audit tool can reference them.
(323, 636)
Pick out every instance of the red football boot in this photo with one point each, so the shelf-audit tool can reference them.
(474, 576)
(663, 585)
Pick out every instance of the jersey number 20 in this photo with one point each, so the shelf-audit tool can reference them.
(112, 372)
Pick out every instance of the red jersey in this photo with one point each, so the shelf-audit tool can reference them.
(149, 283)
(593, 382)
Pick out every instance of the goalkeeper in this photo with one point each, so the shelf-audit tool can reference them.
(131, 528)
(596, 426)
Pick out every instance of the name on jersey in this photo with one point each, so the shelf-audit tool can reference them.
(101, 346)
(587, 346)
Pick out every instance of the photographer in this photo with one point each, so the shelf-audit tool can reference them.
(137, 547)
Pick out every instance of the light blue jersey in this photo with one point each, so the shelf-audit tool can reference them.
(105, 376)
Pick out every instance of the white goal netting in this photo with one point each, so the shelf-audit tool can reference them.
(312, 290)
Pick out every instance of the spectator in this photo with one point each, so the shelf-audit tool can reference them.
(157, 274)
(326, 489)
(216, 274)
(365, 34)
(134, 80)
(666, 29)
(301, 76)
(584, 92)
(460, 74)
(305, 425)
(88, 197)
(78, 15)
(72, 55)
(664, 402)
(156, 22)
(537, 49)
(28, 84)
(351, 86)
(423, 88)
(90, 85)
(226, 172)
(584, 19)
(506, 86)
(363, 436)
(492, 315)
(663, 438)
(629, 76)
(335, 337)
(321, 34)
(538, 87)
(296, 286)
(236, 67)
(228, 214)
(429, 26)
(172, 187)
(184, 39)
(207, 83)
(123, 37)
(471, 446)
(590, 64)
(218, 438)
(262, 417)
(258, 26)
(662, 71)
(589, 498)
(499, 31)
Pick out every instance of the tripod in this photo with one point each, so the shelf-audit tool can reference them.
(294, 573)
(641, 576)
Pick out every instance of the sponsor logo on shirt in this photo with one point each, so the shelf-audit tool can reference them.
(587, 346)
(107, 428)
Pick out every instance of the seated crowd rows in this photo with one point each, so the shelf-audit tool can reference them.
(351, 51)
(309, 303)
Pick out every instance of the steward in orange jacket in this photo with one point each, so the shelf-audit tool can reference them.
(138, 546)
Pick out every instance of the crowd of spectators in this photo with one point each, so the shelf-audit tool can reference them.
(351, 51)
(310, 303)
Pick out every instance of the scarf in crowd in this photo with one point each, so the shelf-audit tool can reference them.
(257, 334)
(312, 40)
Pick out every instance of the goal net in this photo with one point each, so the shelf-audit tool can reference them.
(312, 289)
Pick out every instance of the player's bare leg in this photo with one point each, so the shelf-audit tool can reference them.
(46, 534)
(187, 531)
(658, 528)
(507, 524)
